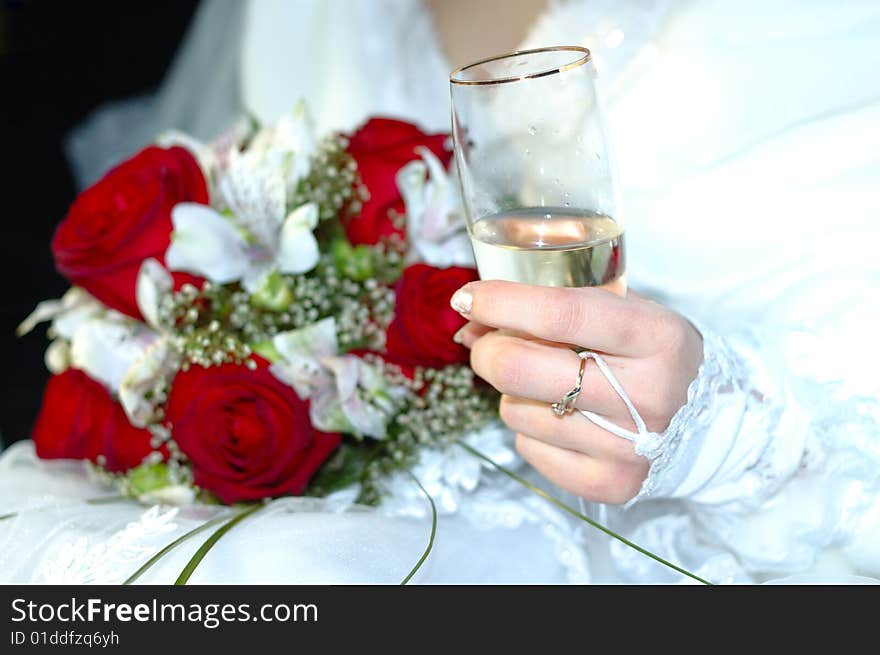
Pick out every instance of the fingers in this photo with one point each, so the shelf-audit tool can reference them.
(468, 334)
(587, 317)
(571, 432)
(542, 372)
(581, 474)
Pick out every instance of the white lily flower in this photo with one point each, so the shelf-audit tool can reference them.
(435, 219)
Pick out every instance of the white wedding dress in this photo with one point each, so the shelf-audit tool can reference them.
(748, 138)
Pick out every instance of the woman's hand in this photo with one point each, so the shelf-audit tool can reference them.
(521, 340)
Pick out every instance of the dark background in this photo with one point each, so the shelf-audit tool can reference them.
(58, 61)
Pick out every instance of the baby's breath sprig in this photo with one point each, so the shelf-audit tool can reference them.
(332, 182)
(216, 324)
(442, 404)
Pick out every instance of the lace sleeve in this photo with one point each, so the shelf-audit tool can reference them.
(724, 445)
(781, 470)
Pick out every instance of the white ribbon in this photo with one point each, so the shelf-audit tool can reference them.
(642, 434)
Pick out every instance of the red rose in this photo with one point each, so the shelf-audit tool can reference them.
(247, 434)
(424, 323)
(79, 419)
(380, 148)
(123, 219)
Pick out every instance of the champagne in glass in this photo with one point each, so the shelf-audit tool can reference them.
(536, 173)
(551, 246)
(535, 169)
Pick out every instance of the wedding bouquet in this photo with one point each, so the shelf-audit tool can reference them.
(268, 315)
(263, 315)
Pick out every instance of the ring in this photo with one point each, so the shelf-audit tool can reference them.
(568, 400)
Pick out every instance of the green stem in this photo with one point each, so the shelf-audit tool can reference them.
(107, 499)
(433, 531)
(159, 555)
(540, 492)
(213, 539)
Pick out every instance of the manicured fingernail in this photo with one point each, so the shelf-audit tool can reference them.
(458, 337)
(462, 301)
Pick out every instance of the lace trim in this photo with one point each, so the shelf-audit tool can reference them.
(719, 373)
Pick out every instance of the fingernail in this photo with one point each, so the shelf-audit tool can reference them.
(462, 301)
(458, 337)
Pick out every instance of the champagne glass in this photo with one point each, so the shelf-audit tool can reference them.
(537, 178)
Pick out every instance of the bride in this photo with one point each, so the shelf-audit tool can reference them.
(746, 137)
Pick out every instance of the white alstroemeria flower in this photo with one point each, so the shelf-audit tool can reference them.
(288, 145)
(159, 360)
(360, 401)
(57, 356)
(207, 243)
(106, 347)
(434, 215)
(257, 237)
(347, 394)
(65, 313)
(153, 282)
(302, 352)
(212, 156)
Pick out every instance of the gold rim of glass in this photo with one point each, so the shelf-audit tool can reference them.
(583, 59)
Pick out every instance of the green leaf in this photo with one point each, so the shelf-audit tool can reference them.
(267, 350)
(430, 545)
(167, 549)
(354, 262)
(274, 293)
(344, 469)
(540, 492)
(148, 477)
(196, 559)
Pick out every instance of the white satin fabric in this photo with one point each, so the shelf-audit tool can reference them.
(747, 137)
